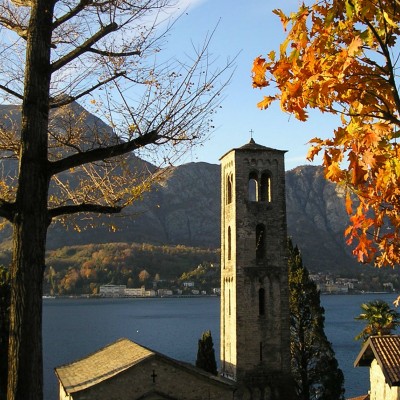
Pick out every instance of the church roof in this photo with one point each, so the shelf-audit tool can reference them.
(114, 359)
(101, 365)
(386, 351)
(253, 146)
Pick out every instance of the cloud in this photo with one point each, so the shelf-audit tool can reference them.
(188, 4)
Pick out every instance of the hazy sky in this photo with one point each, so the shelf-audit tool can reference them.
(246, 29)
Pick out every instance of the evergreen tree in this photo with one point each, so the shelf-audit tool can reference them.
(5, 294)
(314, 366)
(206, 354)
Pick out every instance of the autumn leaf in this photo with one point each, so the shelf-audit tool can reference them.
(263, 104)
(284, 19)
(333, 172)
(259, 69)
(355, 46)
(312, 152)
(340, 58)
(293, 88)
(349, 204)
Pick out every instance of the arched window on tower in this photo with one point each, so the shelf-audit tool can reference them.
(261, 301)
(229, 184)
(265, 187)
(260, 242)
(253, 186)
(229, 243)
(229, 301)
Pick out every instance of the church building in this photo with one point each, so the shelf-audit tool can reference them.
(255, 316)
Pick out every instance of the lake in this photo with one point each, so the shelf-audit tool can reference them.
(74, 328)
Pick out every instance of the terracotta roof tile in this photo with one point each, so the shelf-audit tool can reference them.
(101, 365)
(386, 351)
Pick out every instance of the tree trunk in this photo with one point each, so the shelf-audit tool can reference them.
(25, 359)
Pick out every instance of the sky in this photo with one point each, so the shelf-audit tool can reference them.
(245, 30)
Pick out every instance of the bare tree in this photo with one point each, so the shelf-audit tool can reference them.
(106, 55)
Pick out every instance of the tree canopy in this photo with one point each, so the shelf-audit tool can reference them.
(341, 57)
(380, 319)
(206, 354)
(59, 161)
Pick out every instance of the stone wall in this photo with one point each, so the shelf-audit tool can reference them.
(379, 388)
(157, 378)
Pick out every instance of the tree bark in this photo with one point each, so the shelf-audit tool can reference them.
(30, 221)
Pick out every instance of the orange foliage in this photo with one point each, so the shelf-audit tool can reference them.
(340, 57)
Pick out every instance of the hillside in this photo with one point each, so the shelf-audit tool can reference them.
(184, 208)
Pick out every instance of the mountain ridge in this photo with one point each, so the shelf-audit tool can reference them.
(184, 208)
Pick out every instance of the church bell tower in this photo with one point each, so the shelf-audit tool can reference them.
(255, 318)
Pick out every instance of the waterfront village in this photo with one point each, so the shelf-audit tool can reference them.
(326, 284)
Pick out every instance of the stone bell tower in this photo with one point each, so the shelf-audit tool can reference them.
(255, 336)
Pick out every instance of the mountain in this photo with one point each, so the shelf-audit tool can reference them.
(184, 208)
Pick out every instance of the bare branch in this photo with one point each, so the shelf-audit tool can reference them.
(102, 153)
(69, 99)
(18, 29)
(79, 50)
(112, 54)
(78, 208)
(72, 13)
(12, 92)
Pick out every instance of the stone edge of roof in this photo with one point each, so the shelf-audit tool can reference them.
(152, 353)
(253, 146)
(90, 382)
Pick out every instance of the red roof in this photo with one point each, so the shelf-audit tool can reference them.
(386, 351)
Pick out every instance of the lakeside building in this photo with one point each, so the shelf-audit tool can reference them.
(110, 290)
(333, 285)
(135, 292)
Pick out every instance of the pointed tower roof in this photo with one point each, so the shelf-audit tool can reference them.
(253, 146)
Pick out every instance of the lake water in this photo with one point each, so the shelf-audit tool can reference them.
(74, 328)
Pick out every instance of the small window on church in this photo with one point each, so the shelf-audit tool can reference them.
(229, 185)
(265, 187)
(253, 187)
(260, 242)
(229, 243)
(261, 301)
